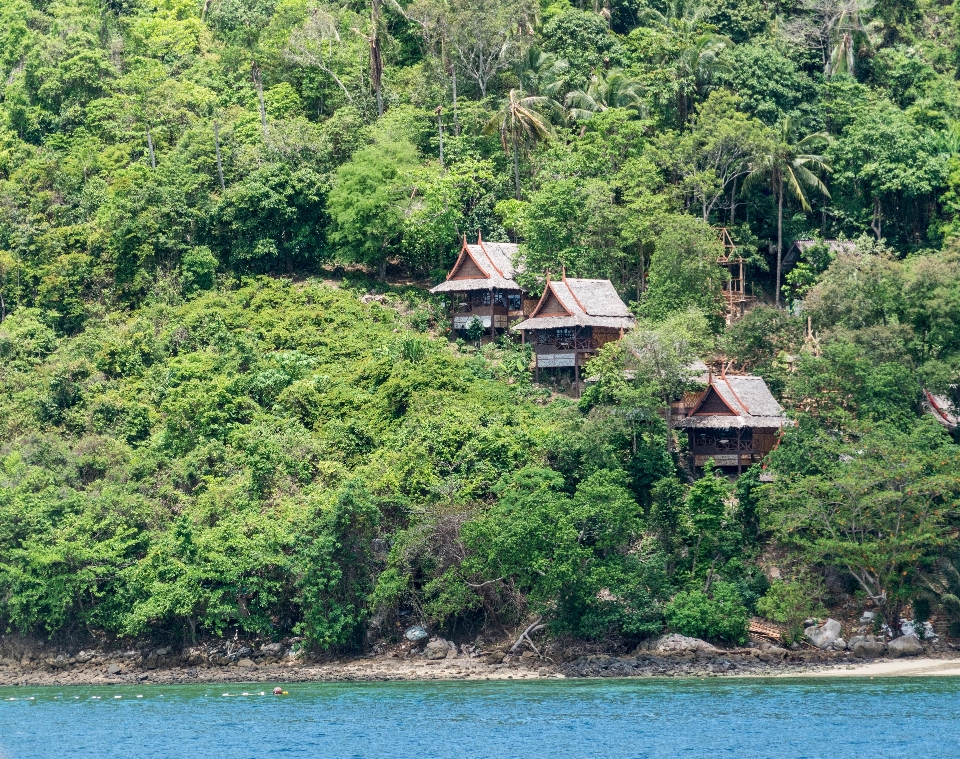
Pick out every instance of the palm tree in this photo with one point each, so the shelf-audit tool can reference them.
(541, 73)
(700, 59)
(789, 168)
(520, 120)
(611, 90)
(846, 23)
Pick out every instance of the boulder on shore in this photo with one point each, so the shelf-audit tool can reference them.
(867, 650)
(416, 634)
(823, 635)
(437, 649)
(905, 645)
(675, 642)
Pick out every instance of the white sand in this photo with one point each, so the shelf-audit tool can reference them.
(919, 667)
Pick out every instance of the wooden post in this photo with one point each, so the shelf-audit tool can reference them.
(576, 369)
(493, 330)
(739, 464)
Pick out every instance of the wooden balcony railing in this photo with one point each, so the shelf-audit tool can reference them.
(555, 345)
(710, 444)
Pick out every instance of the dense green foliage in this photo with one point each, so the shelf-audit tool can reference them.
(197, 435)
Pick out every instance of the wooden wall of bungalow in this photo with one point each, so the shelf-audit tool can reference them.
(504, 307)
(569, 340)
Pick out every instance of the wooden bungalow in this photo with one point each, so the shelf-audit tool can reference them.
(799, 249)
(481, 287)
(735, 421)
(572, 321)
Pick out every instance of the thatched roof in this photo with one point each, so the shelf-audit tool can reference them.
(579, 303)
(747, 400)
(799, 247)
(492, 265)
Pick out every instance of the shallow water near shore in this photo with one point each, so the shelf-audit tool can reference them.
(557, 718)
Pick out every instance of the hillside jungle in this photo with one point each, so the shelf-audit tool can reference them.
(228, 405)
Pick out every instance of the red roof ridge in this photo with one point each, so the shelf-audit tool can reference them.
(734, 392)
(480, 243)
(547, 289)
(570, 290)
(465, 251)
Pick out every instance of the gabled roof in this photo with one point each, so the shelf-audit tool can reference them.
(484, 266)
(587, 302)
(748, 399)
(942, 410)
(799, 247)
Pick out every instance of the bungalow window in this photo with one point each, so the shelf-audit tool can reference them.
(514, 301)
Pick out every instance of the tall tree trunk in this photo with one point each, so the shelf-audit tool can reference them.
(153, 160)
(892, 612)
(382, 273)
(875, 223)
(258, 83)
(216, 142)
(376, 57)
(516, 166)
(456, 118)
(440, 133)
(776, 296)
(733, 201)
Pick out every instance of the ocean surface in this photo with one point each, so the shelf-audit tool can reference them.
(538, 719)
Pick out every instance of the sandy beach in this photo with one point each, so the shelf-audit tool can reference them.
(918, 667)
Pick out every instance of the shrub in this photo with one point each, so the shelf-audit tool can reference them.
(720, 615)
(792, 602)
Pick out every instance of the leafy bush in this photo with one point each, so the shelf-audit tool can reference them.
(719, 615)
(790, 602)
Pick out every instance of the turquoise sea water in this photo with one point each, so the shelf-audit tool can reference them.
(541, 719)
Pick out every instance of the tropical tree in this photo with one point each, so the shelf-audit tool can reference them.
(369, 201)
(541, 73)
(786, 164)
(700, 51)
(882, 501)
(520, 121)
(242, 22)
(714, 154)
(832, 28)
(306, 44)
(487, 36)
(612, 89)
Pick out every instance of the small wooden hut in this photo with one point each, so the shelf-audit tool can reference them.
(800, 247)
(481, 287)
(572, 321)
(735, 421)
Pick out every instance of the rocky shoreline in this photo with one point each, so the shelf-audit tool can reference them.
(669, 656)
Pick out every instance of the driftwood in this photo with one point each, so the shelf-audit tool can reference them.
(525, 636)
